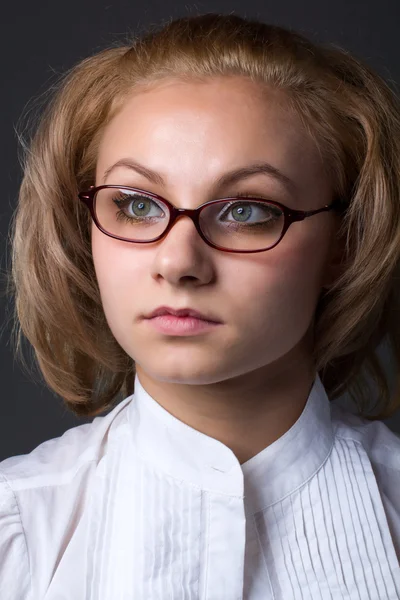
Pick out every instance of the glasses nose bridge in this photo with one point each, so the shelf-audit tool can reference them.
(192, 213)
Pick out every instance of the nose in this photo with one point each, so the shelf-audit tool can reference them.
(182, 254)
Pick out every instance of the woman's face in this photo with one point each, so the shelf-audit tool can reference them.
(191, 134)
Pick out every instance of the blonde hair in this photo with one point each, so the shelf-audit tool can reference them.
(348, 110)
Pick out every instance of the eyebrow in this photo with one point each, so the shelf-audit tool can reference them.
(229, 178)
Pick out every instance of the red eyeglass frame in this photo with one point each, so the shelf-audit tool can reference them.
(290, 215)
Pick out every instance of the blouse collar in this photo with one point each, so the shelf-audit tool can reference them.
(183, 453)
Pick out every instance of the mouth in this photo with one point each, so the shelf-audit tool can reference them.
(175, 325)
(165, 311)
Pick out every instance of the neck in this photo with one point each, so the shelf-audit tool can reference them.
(248, 412)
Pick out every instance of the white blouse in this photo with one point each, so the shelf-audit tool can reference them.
(137, 505)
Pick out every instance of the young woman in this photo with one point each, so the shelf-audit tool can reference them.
(247, 180)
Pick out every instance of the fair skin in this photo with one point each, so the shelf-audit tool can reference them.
(246, 381)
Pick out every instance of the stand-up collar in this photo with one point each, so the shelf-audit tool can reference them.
(184, 453)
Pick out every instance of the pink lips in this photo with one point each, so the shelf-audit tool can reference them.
(181, 312)
(181, 326)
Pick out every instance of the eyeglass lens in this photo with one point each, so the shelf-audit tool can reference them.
(237, 224)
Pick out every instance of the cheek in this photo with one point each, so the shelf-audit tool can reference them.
(287, 271)
(117, 269)
(280, 291)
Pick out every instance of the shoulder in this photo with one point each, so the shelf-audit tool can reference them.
(371, 453)
(380, 443)
(57, 460)
(42, 496)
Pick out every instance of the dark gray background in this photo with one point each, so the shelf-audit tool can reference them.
(40, 40)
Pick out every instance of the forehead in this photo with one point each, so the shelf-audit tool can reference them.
(243, 105)
(197, 130)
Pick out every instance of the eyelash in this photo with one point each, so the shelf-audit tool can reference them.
(248, 195)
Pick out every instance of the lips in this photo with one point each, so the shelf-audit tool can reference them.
(182, 312)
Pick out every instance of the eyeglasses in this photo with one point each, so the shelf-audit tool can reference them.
(237, 224)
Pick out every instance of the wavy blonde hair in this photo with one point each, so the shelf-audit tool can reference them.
(349, 111)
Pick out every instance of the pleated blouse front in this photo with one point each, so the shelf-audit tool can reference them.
(139, 505)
